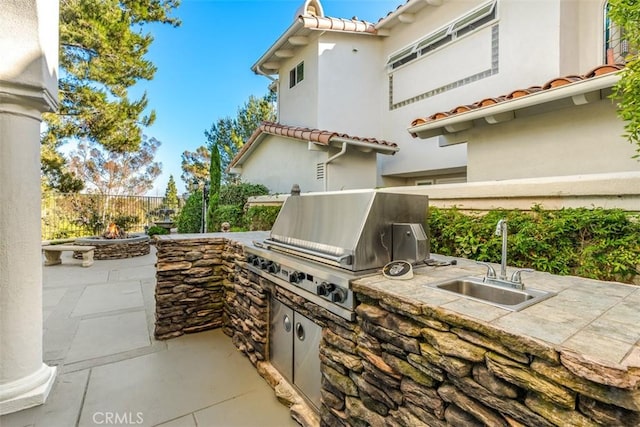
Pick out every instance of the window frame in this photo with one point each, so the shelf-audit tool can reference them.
(296, 75)
(468, 23)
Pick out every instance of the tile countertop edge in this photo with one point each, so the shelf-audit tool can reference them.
(622, 373)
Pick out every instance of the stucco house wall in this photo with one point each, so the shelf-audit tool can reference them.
(584, 139)
(297, 106)
(279, 162)
(347, 88)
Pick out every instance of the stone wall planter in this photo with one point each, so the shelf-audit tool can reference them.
(136, 245)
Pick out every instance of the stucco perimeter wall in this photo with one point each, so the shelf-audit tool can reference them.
(609, 191)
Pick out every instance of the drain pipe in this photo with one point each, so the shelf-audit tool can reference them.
(262, 73)
(331, 159)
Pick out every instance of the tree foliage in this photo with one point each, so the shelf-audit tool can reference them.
(626, 15)
(190, 218)
(171, 194)
(229, 135)
(195, 167)
(116, 173)
(102, 55)
(214, 188)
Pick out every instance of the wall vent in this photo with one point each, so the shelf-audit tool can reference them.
(320, 171)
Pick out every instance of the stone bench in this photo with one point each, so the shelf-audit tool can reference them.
(52, 253)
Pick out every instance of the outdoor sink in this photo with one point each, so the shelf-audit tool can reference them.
(476, 289)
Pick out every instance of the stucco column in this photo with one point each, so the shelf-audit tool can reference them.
(28, 81)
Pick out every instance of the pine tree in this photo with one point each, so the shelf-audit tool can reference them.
(171, 194)
(102, 55)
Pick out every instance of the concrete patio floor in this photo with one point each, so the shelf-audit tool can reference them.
(98, 331)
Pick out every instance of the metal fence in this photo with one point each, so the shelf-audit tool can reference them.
(76, 215)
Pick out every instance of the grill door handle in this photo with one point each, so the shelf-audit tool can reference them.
(286, 323)
(300, 331)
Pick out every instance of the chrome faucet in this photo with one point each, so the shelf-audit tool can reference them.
(501, 230)
(492, 277)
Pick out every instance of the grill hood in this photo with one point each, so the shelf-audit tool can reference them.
(349, 229)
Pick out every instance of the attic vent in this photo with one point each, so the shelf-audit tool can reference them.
(320, 171)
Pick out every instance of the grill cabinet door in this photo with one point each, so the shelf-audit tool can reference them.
(306, 345)
(281, 336)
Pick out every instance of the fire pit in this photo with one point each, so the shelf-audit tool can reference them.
(115, 244)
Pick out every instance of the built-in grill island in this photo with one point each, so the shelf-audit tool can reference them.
(318, 245)
(414, 355)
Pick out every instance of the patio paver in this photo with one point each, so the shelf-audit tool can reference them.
(98, 330)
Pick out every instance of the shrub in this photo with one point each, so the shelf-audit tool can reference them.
(601, 244)
(238, 194)
(227, 213)
(125, 221)
(152, 231)
(190, 218)
(261, 217)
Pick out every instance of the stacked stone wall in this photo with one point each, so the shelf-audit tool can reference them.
(407, 365)
(189, 286)
(400, 363)
(116, 250)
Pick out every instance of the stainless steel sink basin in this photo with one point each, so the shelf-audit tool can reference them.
(500, 296)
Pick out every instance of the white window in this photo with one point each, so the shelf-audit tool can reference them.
(466, 24)
(296, 75)
(616, 46)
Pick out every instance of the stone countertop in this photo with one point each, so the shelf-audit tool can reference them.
(595, 319)
(244, 238)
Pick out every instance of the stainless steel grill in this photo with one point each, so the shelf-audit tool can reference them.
(320, 242)
(318, 245)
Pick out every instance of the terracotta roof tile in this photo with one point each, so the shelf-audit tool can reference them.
(553, 83)
(317, 136)
(337, 24)
(561, 81)
(523, 92)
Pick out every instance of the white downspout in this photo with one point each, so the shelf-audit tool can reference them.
(331, 159)
(262, 73)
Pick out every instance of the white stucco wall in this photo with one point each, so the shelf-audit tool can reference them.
(354, 170)
(537, 41)
(347, 87)
(298, 105)
(279, 162)
(580, 140)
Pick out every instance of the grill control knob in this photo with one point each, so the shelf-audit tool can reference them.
(297, 277)
(250, 258)
(325, 288)
(273, 268)
(264, 264)
(339, 295)
(256, 261)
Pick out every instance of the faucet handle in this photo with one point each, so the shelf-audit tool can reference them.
(491, 272)
(516, 276)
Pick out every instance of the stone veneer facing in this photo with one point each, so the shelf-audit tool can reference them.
(400, 363)
(189, 286)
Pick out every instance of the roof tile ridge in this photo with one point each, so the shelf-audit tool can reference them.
(520, 93)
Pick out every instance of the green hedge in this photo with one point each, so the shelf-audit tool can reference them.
(261, 217)
(595, 243)
(190, 218)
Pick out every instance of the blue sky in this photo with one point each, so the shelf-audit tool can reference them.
(204, 66)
